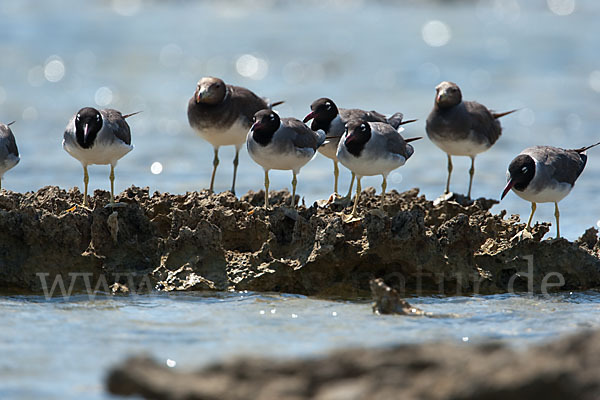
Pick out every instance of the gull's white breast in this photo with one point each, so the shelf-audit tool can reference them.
(234, 135)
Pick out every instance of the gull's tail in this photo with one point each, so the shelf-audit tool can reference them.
(581, 150)
(275, 104)
(502, 114)
(131, 115)
(396, 120)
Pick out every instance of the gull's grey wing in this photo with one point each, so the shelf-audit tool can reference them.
(347, 114)
(8, 138)
(563, 165)
(483, 122)
(303, 136)
(245, 102)
(395, 143)
(117, 123)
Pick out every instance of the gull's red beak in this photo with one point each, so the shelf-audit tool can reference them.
(255, 125)
(85, 132)
(310, 116)
(509, 186)
(349, 138)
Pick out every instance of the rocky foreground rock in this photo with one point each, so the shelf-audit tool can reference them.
(566, 369)
(204, 241)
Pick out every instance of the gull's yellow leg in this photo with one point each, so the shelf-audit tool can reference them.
(358, 189)
(214, 171)
(349, 195)
(236, 161)
(112, 184)
(533, 207)
(336, 174)
(86, 180)
(383, 187)
(294, 182)
(471, 174)
(266, 189)
(557, 216)
(449, 173)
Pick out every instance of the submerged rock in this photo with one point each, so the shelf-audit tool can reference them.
(388, 300)
(205, 241)
(566, 369)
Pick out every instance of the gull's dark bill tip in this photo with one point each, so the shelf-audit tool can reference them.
(509, 186)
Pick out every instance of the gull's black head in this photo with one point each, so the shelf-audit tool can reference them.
(520, 172)
(447, 94)
(264, 125)
(323, 111)
(210, 90)
(88, 123)
(358, 134)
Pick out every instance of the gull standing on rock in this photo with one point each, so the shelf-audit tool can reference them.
(326, 116)
(372, 148)
(9, 153)
(284, 144)
(98, 137)
(544, 174)
(461, 128)
(222, 114)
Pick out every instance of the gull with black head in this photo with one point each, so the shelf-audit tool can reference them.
(545, 174)
(326, 116)
(98, 137)
(372, 148)
(222, 114)
(461, 128)
(283, 144)
(9, 153)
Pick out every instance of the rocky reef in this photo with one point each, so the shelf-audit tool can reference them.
(566, 369)
(205, 241)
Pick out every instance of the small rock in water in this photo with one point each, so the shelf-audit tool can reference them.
(388, 300)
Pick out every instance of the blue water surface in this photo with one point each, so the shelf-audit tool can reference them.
(62, 348)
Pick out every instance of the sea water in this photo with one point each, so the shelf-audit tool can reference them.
(62, 348)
